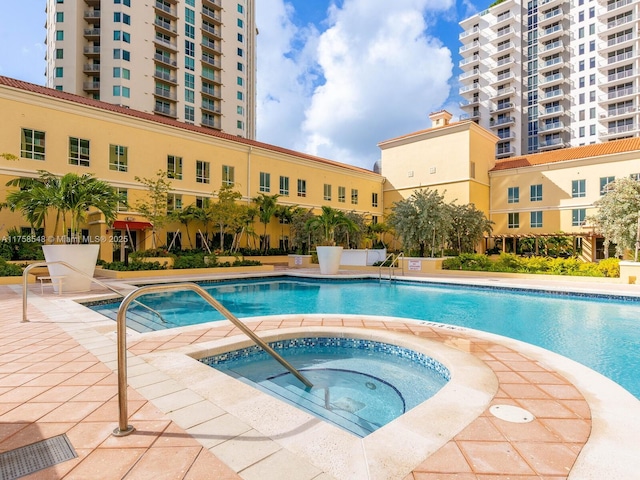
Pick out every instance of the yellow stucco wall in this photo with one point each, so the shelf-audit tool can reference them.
(148, 145)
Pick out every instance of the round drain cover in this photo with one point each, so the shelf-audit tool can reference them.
(509, 413)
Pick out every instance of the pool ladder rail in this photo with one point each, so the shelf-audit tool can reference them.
(123, 427)
(395, 263)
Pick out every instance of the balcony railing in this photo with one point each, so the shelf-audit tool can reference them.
(166, 9)
(620, 92)
(474, 44)
(545, 127)
(471, 31)
(614, 112)
(621, 129)
(620, 21)
(165, 76)
(469, 88)
(502, 121)
(161, 92)
(620, 39)
(467, 61)
(618, 4)
(91, 68)
(620, 75)
(502, 151)
(165, 25)
(163, 110)
(618, 58)
(552, 142)
(165, 59)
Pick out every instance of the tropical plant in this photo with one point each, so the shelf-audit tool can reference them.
(154, 205)
(354, 233)
(267, 207)
(226, 213)
(186, 216)
(71, 196)
(618, 216)
(467, 226)
(328, 221)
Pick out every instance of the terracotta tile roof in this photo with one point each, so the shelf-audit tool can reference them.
(573, 153)
(89, 102)
(419, 132)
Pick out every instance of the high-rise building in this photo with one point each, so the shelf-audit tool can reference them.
(191, 60)
(547, 74)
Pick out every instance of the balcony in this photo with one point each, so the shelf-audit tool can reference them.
(91, 86)
(617, 42)
(502, 107)
(210, 107)
(618, 94)
(468, 33)
(470, 116)
(469, 47)
(550, 48)
(502, 77)
(616, 112)
(502, 92)
(551, 64)
(504, 34)
(166, 26)
(620, 76)
(211, 15)
(166, 43)
(549, 3)
(469, 61)
(550, 16)
(210, 45)
(211, 92)
(164, 93)
(549, 80)
(552, 144)
(469, 103)
(91, 68)
(502, 63)
(165, 59)
(213, 3)
(614, 8)
(211, 61)
(555, 111)
(92, 16)
(617, 25)
(500, 122)
(167, 77)
(91, 51)
(469, 88)
(92, 34)
(211, 77)
(504, 48)
(555, 94)
(505, 137)
(502, 20)
(166, 111)
(210, 29)
(545, 128)
(554, 30)
(620, 131)
(211, 123)
(506, 151)
(167, 10)
(467, 75)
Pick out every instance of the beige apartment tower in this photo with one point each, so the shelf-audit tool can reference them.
(190, 60)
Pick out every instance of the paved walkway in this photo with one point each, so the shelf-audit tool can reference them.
(57, 376)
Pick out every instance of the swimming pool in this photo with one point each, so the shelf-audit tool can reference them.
(358, 385)
(601, 333)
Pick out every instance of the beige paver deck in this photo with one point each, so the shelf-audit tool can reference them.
(57, 376)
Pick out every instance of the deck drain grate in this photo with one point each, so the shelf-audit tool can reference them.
(37, 456)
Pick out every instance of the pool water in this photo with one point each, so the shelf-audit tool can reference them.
(358, 385)
(601, 333)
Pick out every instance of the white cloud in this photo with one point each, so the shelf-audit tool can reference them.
(380, 75)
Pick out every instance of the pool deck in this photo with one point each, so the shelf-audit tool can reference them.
(57, 376)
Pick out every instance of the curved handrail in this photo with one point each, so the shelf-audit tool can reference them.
(394, 259)
(71, 267)
(123, 427)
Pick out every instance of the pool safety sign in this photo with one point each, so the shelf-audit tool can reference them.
(415, 265)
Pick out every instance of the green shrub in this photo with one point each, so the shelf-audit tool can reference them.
(9, 269)
(134, 266)
(189, 261)
(609, 267)
(151, 253)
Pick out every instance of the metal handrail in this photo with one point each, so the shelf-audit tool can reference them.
(123, 427)
(25, 290)
(394, 259)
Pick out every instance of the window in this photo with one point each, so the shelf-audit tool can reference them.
(116, 90)
(581, 132)
(189, 113)
(123, 205)
(174, 167)
(604, 181)
(228, 175)
(302, 188)
(126, 19)
(342, 194)
(536, 219)
(59, 16)
(354, 196)
(78, 151)
(284, 186)
(190, 16)
(240, 95)
(578, 188)
(189, 63)
(117, 53)
(240, 9)
(189, 80)
(536, 193)
(635, 176)
(202, 202)
(581, 65)
(327, 192)
(592, 129)
(578, 216)
(189, 48)
(126, 55)
(240, 52)
(189, 95)
(513, 195)
(514, 220)
(239, 81)
(240, 38)
(374, 199)
(265, 182)
(59, 53)
(32, 144)
(59, 72)
(59, 34)
(118, 156)
(202, 172)
(174, 202)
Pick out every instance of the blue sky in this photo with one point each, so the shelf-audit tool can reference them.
(335, 77)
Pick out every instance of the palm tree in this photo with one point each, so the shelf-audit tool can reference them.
(186, 216)
(267, 205)
(328, 220)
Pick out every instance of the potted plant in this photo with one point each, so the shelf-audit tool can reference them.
(328, 253)
(70, 196)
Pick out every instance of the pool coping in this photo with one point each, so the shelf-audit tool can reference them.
(392, 451)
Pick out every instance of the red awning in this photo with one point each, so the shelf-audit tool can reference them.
(122, 225)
